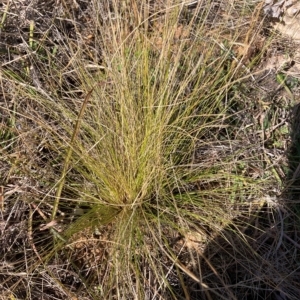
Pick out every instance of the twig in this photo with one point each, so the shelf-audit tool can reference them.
(30, 238)
(1, 198)
(66, 164)
(68, 156)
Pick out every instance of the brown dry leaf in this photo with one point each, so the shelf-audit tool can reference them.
(291, 28)
(277, 61)
(287, 14)
(193, 238)
(275, 8)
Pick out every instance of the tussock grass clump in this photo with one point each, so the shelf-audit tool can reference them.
(139, 145)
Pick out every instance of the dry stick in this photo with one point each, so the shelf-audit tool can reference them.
(1, 198)
(68, 156)
(30, 237)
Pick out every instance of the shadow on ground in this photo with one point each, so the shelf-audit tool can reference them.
(262, 261)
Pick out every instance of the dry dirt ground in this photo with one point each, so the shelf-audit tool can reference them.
(273, 100)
